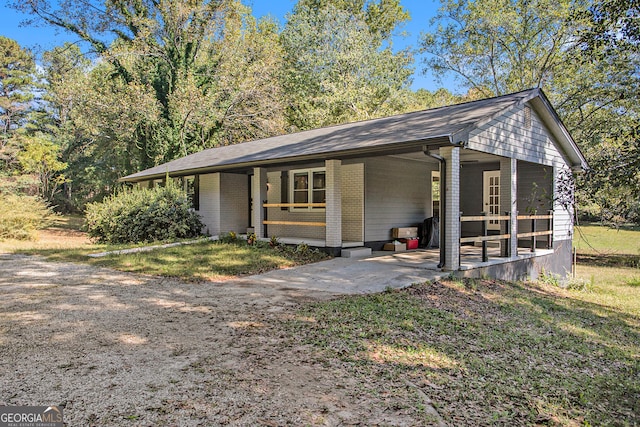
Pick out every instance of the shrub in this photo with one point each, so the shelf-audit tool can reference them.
(143, 215)
(21, 216)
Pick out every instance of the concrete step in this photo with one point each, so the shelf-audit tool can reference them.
(356, 252)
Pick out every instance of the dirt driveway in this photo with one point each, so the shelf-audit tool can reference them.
(121, 349)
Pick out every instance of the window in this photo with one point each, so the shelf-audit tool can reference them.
(308, 186)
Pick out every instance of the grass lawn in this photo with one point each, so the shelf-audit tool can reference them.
(201, 261)
(497, 353)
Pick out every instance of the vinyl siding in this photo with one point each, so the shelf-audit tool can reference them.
(471, 189)
(562, 220)
(397, 194)
(535, 193)
(507, 136)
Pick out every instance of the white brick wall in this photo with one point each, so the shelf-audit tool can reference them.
(333, 212)
(451, 220)
(353, 202)
(509, 201)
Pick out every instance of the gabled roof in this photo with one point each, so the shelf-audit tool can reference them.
(404, 132)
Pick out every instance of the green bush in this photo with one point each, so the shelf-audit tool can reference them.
(143, 215)
(22, 216)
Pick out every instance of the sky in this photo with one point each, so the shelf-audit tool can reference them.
(43, 38)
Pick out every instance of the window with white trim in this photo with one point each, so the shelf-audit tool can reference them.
(307, 186)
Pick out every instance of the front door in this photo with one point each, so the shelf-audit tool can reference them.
(491, 197)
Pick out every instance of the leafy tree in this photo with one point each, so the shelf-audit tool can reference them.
(40, 156)
(613, 22)
(176, 58)
(337, 69)
(497, 47)
(17, 68)
(381, 17)
(172, 78)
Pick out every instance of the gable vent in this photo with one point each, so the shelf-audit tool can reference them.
(527, 117)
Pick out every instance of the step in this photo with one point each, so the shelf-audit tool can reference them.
(356, 252)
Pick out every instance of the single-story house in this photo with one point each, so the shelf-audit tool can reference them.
(491, 170)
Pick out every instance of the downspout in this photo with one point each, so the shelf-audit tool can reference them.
(443, 195)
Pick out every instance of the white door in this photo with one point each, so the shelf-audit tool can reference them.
(491, 197)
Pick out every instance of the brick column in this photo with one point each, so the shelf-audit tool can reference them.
(450, 221)
(509, 203)
(259, 194)
(333, 231)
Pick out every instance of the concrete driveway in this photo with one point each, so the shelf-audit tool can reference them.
(373, 274)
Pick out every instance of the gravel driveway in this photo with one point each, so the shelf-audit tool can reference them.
(115, 348)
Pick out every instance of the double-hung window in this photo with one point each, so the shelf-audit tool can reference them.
(308, 186)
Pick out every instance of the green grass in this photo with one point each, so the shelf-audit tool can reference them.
(598, 239)
(208, 260)
(201, 261)
(489, 352)
(497, 353)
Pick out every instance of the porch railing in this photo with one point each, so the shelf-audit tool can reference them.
(534, 218)
(484, 237)
(267, 222)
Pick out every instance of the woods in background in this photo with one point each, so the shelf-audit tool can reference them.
(154, 81)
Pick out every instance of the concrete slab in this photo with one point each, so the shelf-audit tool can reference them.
(347, 275)
(356, 253)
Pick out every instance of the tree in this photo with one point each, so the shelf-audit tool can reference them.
(613, 22)
(16, 81)
(337, 69)
(40, 156)
(502, 46)
(173, 56)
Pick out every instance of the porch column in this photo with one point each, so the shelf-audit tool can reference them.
(450, 215)
(258, 195)
(509, 203)
(333, 229)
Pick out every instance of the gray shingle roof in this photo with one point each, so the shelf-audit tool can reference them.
(374, 135)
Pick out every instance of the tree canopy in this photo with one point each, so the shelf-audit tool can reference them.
(585, 56)
(155, 81)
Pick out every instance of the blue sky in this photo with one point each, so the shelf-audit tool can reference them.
(43, 38)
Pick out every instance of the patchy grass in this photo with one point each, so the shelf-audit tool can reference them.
(489, 352)
(209, 260)
(201, 261)
(610, 264)
(497, 353)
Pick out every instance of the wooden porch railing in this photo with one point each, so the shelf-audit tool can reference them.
(266, 221)
(534, 226)
(484, 237)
